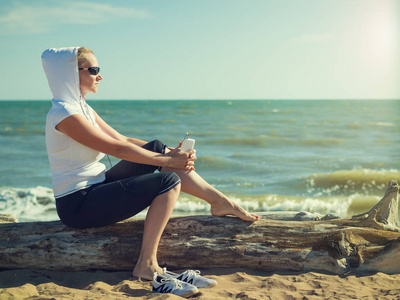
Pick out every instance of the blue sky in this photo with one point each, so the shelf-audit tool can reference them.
(220, 49)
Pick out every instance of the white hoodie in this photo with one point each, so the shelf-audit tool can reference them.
(74, 166)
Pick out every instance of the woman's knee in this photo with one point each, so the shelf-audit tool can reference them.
(173, 193)
(170, 178)
(155, 146)
(177, 188)
(171, 183)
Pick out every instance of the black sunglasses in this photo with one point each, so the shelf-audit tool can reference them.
(92, 70)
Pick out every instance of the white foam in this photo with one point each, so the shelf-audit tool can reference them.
(38, 204)
(33, 204)
(366, 181)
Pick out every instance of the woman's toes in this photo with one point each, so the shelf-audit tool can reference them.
(231, 208)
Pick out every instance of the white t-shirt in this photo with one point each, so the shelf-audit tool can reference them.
(74, 166)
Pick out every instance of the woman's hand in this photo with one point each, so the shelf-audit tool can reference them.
(181, 160)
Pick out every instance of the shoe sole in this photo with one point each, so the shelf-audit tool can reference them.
(211, 285)
(190, 294)
(187, 295)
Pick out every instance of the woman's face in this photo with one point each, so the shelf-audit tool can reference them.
(87, 82)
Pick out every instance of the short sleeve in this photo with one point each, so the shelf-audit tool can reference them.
(62, 110)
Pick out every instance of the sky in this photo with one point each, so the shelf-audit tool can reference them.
(209, 49)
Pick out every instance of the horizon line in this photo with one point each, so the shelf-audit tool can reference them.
(220, 99)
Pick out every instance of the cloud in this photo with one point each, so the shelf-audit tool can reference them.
(38, 18)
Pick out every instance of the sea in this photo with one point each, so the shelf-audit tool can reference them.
(322, 156)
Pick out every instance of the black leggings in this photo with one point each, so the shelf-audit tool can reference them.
(128, 189)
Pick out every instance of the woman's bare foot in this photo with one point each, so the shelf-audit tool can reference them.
(146, 271)
(228, 207)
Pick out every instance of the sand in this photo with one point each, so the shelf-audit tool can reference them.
(233, 283)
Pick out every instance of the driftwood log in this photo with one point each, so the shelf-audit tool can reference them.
(279, 241)
(383, 215)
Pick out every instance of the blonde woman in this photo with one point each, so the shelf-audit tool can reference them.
(89, 196)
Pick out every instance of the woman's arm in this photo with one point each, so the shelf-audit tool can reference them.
(81, 130)
(115, 134)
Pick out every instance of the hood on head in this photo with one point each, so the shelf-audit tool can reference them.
(61, 68)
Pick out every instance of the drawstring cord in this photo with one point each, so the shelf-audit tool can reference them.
(86, 113)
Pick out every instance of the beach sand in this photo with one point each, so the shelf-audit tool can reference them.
(233, 283)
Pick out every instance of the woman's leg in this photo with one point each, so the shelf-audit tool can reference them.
(108, 203)
(157, 217)
(125, 169)
(221, 205)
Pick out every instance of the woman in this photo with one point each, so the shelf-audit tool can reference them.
(87, 195)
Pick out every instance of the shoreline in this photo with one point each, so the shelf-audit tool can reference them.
(239, 283)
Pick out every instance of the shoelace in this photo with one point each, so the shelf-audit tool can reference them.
(193, 273)
(173, 281)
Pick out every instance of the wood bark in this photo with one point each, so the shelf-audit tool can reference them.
(297, 242)
(384, 215)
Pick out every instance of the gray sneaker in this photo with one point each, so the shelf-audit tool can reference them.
(171, 285)
(192, 277)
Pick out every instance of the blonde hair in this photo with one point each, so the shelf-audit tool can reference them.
(81, 57)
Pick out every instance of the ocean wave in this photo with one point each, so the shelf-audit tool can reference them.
(31, 204)
(320, 142)
(38, 204)
(260, 141)
(343, 206)
(213, 162)
(276, 139)
(365, 181)
(383, 124)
